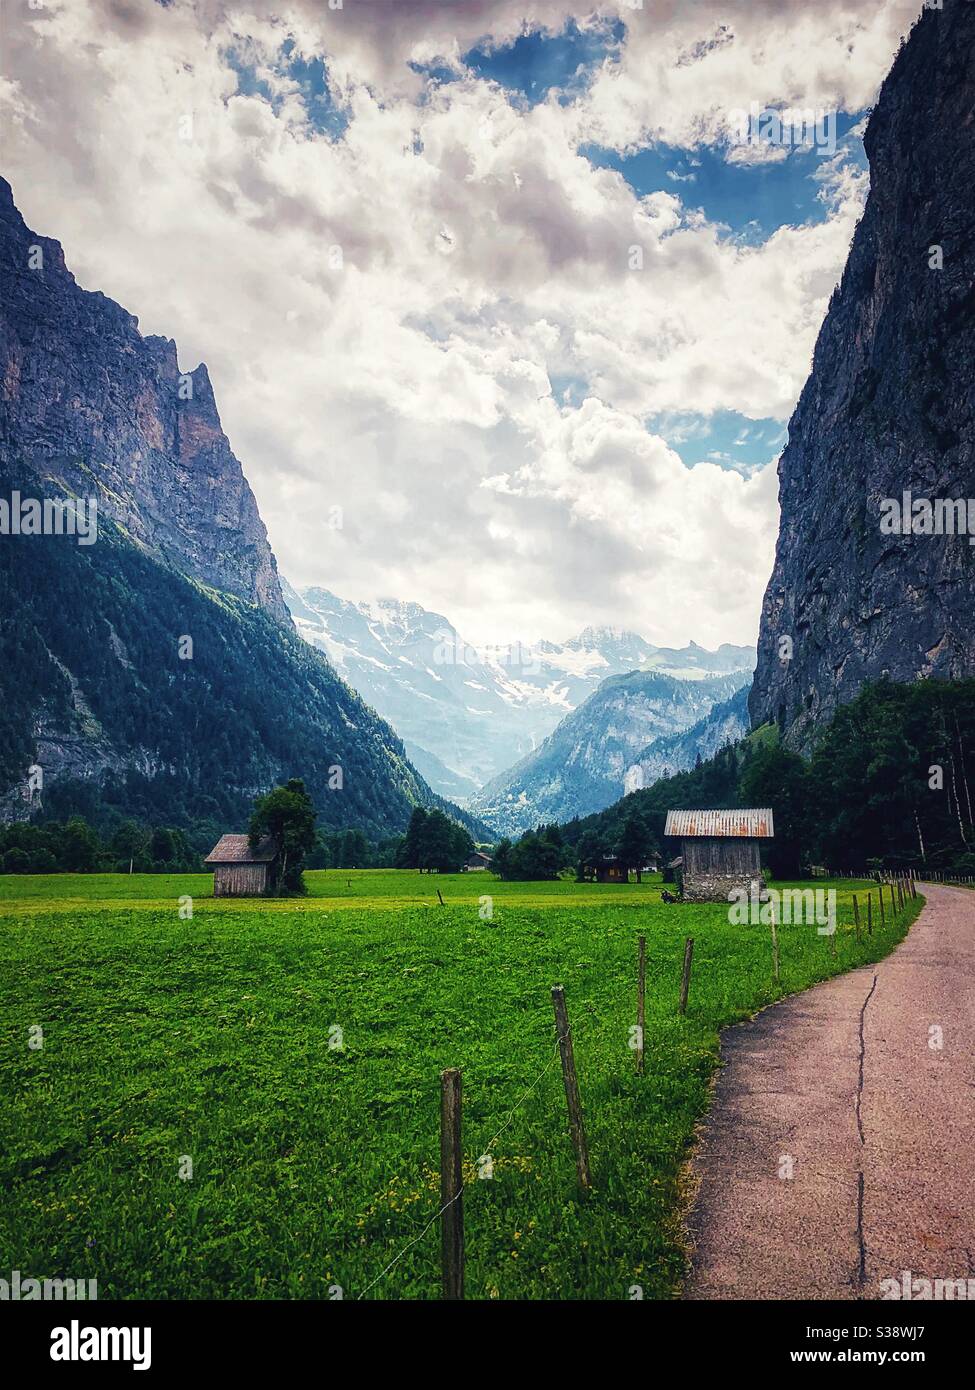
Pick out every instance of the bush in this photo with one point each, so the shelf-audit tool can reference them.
(16, 861)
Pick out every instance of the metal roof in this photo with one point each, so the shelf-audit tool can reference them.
(748, 823)
(236, 849)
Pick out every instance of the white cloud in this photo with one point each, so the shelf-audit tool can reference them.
(483, 259)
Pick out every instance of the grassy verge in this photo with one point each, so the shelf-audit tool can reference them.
(314, 1166)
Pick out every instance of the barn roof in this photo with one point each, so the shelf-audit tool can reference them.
(748, 823)
(236, 849)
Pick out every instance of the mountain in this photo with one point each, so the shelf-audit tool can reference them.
(889, 408)
(466, 715)
(581, 767)
(155, 671)
(102, 412)
(724, 723)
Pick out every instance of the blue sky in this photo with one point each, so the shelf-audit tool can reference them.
(309, 74)
(537, 63)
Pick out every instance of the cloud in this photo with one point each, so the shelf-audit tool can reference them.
(389, 305)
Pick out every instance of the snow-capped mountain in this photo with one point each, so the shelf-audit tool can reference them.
(467, 714)
(586, 763)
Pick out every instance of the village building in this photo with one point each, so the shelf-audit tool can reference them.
(609, 869)
(474, 862)
(238, 870)
(720, 851)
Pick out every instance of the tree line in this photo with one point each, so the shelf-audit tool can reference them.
(551, 850)
(888, 783)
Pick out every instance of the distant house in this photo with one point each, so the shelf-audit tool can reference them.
(475, 861)
(720, 850)
(609, 869)
(238, 870)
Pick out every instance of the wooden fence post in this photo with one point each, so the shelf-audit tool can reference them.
(883, 910)
(451, 1186)
(775, 952)
(856, 915)
(685, 982)
(870, 914)
(641, 1000)
(576, 1126)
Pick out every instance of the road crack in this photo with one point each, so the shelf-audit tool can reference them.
(861, 1240)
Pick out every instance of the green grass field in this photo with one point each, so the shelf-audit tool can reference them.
(316, 1166)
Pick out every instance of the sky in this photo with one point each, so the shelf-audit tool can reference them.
(506, 303)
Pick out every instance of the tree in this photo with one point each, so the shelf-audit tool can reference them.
(502, 854)
(287, 815)
(590, 849)
(409, 852)
(636, 843)
(79, 847)
(533, 858)
(128, 842)
(356, 851)
(776, 777)
(162, 846)
(444, 845)
(16, 861)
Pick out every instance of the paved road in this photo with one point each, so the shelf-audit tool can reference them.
(878, 1122)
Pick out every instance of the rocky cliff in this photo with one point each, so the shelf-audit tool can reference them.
(93, 407)
(153, 672)
(889, 408)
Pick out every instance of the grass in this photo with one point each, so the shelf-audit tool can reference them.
(315, 1166)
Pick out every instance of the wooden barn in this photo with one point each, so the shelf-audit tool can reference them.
(238, 870)
(720, 850)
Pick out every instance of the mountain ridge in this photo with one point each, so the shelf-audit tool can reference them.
(475, 712)
(583, 766)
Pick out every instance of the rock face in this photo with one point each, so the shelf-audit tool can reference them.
(89, 404)
(725, 723)
(889, 408)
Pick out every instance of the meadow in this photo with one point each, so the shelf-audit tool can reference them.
(290, 1052)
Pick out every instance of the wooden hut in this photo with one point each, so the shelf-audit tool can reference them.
(720, 850)
(609, 869)
(238, 870)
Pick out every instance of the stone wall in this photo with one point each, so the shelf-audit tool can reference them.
(716, 887)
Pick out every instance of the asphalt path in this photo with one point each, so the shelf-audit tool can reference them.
(839, 1151)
